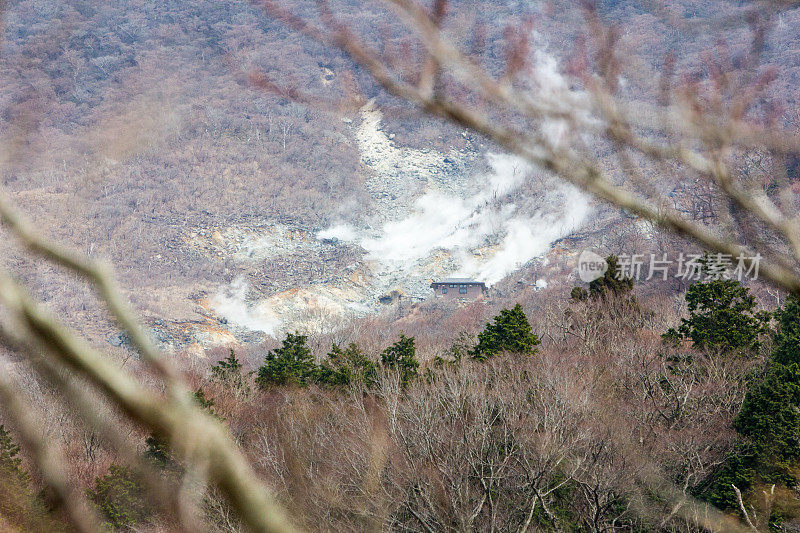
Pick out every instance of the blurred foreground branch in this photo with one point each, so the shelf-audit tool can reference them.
(195, 437)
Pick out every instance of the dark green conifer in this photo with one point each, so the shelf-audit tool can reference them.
(510, 331)
(120, 498)
(402, 356)
(768, 423)
(346, 367)
(10, 462)
(611, 283)
(722, 316)
(292, 363)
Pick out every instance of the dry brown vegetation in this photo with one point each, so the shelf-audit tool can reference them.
(604, 429)
(559, 440)
(566, 439)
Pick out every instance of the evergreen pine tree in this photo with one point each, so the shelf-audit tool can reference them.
(770, 414)
(9, 451)
(346, 366)
(722, 316)
(579, 294)
(292, 363)
(9, 458)
(158, 451)
(20, 508)
(227, 366)
(611, 283)
(402, 355)
(769, 421)
(120, 497)
(230, 372)
(786, 349)
(206, 404)
(510, 331)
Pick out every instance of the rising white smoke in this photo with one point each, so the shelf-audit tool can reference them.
(342, 232)
(529, 237)
(231, 303)
(485, 233)
(446, 221)
(484, 220)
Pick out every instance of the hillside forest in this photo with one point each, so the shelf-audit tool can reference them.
(220, 222)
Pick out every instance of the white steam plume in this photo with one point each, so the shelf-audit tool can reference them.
(342, 232)
(230, 302)
(464, 226)
(467, 226)
(529, 237)
(442, 221)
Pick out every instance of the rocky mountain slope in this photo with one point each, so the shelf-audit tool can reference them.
(435, 214)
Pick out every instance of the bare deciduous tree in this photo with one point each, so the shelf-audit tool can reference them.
(474, 449)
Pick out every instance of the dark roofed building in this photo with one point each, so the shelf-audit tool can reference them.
(459, 288)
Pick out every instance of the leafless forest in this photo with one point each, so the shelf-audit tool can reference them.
(220, 219)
